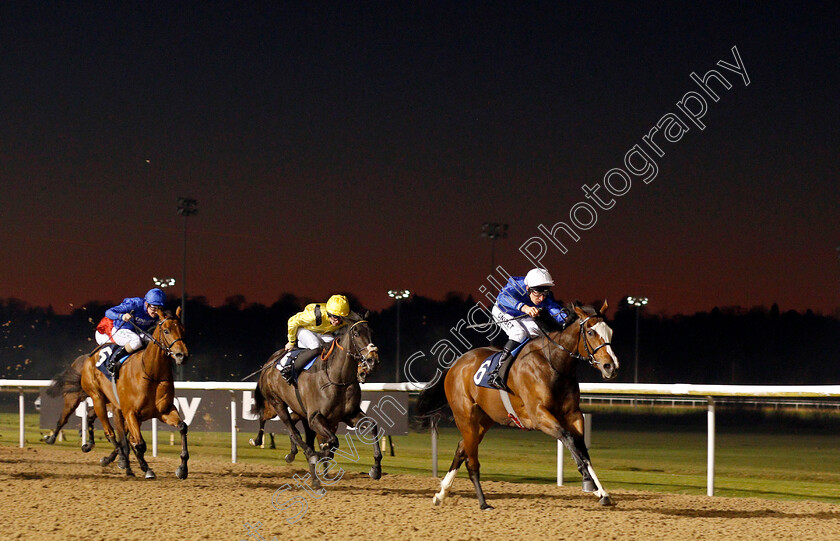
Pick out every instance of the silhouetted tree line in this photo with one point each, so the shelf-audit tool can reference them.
(229, 342)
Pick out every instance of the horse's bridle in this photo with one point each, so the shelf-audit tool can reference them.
(589, 351)
(363, 354)
(167, 347)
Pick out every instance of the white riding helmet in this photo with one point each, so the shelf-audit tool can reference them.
(538, 278)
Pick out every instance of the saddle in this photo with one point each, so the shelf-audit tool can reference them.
(482, 374)
(286, 364)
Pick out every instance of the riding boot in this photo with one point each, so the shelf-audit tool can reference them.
(288, 373)
(292, 370)
(111, 362)
(498, 377)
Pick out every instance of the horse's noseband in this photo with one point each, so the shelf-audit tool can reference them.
(589, 351)
(167, 348)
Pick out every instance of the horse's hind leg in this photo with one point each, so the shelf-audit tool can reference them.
(71, 400)
(472, 434)
(258, 441)
(119, 428)
(310, 440)
(119, 443)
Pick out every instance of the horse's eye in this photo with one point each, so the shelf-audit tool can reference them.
(589, 333)
(166, 331)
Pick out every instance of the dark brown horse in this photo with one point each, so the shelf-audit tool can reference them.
(544, 394)
(144, 390)
(326, 395)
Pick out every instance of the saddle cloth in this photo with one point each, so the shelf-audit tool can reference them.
(481, 375)
(103, 355)
(289, 357)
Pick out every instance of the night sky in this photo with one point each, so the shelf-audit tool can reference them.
(360, 148)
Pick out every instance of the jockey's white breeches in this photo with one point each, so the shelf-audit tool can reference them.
(307, 339)
(519, 329)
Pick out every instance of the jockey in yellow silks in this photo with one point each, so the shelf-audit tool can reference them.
(313, 328)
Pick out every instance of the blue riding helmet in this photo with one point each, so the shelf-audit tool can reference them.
(155, 297)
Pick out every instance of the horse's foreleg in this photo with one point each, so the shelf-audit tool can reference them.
(376, 469)
(328, 440)
(570, 432)
(173, 419)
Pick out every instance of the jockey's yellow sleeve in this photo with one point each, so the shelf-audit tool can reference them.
(313, 318)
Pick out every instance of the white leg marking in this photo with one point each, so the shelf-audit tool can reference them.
(601, 492)
(445, 485)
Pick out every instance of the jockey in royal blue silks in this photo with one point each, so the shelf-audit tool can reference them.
(522, 296)
(145, 313)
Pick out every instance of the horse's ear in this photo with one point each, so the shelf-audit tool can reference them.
(580, 313)
(604, 308)
(178, 312)
(367, 313)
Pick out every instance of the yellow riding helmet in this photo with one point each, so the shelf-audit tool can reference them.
(338, 306)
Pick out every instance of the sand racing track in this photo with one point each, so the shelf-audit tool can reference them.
(54, 494)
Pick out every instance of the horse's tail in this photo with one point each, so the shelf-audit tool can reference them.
(432, 399)
(69, 381)
(259, 402)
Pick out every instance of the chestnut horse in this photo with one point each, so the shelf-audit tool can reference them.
(325, 395)
(144, 390)
(544, 394)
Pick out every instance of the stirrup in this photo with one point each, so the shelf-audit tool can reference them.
(495, 381)
(288, 373)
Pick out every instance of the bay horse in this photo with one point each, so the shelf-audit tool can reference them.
(68, 386)
(326, 394)
(545, 394)
(144, 390)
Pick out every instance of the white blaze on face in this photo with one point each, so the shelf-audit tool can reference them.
(605, 333)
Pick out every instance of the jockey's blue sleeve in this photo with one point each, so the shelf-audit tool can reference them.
(513, 295)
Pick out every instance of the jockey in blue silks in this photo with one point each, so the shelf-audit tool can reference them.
(145, 313)
(522, 296)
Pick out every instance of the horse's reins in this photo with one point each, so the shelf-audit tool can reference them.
(589, 351)
(166, 348)
(362, 355)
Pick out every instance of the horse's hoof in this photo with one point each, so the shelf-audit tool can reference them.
(437, 500)
(181, 472)
(253, 443)
(86, 448)
(486, 507)
(290, 459)
(122, 463)
(605, 501)
(104, 461)
(375, 472)
(129, 473)
(49, 440)
(589, 485)
(151, 475)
